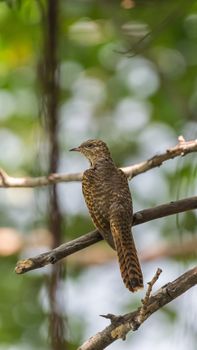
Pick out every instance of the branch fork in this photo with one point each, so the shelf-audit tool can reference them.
(136, 318)
(121, 325)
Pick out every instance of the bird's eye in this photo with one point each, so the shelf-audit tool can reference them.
(89, 146)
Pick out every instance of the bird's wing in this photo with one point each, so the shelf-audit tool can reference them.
(95, 197)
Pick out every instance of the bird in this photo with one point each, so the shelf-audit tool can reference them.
(108, 198)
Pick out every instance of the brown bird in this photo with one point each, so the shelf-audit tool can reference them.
(108, 199)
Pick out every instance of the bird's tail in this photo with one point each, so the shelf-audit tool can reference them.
(127, 255)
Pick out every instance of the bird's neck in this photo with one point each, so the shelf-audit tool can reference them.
(101, 161)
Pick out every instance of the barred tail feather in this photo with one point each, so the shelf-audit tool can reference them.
(127, 256)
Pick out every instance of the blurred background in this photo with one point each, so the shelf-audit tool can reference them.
(123, 71)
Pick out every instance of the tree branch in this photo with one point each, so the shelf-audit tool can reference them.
(183, 147)
(90, 238)
(121, 325)
(103, 254)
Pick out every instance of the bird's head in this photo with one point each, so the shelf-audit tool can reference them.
(93, 150)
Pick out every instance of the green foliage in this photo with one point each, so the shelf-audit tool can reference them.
(22, 314)
(170, 314)
(137, 97)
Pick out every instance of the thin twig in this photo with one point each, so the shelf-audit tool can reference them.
(183, 148)
(90, 238)
(145, 301)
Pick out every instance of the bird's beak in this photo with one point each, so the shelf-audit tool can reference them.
(76, 149)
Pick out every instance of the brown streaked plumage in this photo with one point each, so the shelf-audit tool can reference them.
(106, 192)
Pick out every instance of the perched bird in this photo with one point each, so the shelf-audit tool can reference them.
(108, 198)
